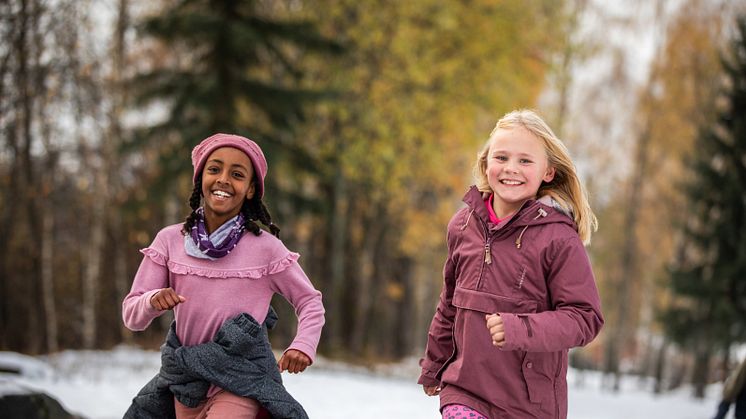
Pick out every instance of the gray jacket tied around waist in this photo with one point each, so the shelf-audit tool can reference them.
(239, 360)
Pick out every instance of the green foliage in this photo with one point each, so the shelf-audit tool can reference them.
(709, 282)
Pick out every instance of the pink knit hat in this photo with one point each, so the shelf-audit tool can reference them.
(202, 151)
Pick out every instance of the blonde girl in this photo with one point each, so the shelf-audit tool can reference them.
(519, 291)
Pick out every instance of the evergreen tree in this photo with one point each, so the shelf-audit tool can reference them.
(232, 66)
(708, 280)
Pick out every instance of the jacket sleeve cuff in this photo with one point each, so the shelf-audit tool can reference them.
(430, 366)
(516, 334)
(427, 378)
(429, 371)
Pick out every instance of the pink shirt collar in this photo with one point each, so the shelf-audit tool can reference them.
(490, 210)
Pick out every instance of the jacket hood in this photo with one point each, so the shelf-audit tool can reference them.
(533, 212)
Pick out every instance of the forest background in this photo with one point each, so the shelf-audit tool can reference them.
(371, 114)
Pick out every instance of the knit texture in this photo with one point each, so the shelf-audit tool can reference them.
(202, 151)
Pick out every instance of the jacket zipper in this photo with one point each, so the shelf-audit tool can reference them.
(487, 252)
(488, 242)
(487, 249)
(526, 324)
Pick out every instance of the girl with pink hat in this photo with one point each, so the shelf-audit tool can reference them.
(209, 271)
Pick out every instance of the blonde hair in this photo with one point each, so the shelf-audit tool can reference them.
(565, 188)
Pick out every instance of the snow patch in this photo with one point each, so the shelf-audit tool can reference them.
(101, 384)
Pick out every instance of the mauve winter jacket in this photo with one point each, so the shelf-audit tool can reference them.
(534, 272)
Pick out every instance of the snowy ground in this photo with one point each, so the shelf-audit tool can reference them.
(100, 384)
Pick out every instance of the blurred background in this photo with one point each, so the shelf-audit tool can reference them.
(371, 114)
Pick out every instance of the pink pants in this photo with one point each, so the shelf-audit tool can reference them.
(222, 405)
(459, 411)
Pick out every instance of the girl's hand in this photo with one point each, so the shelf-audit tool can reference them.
(431, 390)
(294, 361)
(497, 329)
(166, 299)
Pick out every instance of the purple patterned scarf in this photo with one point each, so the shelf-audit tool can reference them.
(202, 239)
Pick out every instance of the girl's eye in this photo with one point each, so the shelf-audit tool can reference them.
(212, 169)
(501, 158)
(525, 161)
(238, 175)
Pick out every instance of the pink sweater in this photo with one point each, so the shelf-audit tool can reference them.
(217, 290)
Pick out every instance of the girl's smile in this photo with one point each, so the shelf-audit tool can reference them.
(227, 181)
(222, 195)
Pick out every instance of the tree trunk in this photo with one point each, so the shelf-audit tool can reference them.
(563, 73)
(121, 279)
(93, 251)
(7, 231)
(28, 271)
(119, 99)
(660, 367)
(364, 302)
(618, 336)
(404, 321)
(700, 373)
(48, 237)
(8, 185)
(381, 316)
(337, 258)
(46, 204)
(368, 281)
(47, 279)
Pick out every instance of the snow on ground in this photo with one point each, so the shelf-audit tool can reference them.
(100, 384)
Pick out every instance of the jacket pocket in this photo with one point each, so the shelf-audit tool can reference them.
(540, 373)
(490, 303)
(479, 367)
(531, 374)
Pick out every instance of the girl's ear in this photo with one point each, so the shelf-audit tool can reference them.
(549, 175)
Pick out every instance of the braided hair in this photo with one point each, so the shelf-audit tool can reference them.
(252, 209)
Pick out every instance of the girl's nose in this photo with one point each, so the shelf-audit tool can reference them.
(510, 168)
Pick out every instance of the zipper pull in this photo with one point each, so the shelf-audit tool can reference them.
(487, 254)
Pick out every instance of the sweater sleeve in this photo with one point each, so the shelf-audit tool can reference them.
(151, 276)
(440, 344)
(288, 279)
(575, 316)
